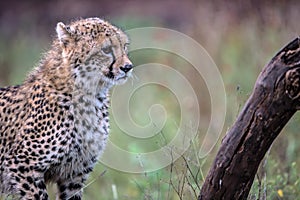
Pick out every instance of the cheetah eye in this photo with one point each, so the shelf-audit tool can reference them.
(126, 47)
(107, 50)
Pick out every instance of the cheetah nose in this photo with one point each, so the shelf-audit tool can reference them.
(126, 68)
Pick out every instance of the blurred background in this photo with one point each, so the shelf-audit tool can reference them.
(240, 36)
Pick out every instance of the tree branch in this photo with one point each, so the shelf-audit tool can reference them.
(274, 100)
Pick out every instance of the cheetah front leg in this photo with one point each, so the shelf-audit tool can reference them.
(71, 189)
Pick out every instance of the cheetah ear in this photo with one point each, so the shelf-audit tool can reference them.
(63, 33)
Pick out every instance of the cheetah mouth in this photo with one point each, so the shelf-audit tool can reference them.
(122, 77)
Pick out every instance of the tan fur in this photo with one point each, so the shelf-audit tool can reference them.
(54, 127)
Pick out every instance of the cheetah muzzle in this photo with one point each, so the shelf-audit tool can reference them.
(54, 126)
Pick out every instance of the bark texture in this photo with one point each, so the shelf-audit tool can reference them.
(274, 100)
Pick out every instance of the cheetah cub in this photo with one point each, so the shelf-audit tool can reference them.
(54, 127)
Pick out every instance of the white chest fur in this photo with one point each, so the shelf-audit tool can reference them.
(91, 122)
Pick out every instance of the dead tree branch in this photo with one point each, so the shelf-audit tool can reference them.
(274, 100)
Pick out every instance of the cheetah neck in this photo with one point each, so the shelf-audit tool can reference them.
(91, 121)
(91, 102)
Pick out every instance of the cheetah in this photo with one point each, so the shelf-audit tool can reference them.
(54, 126)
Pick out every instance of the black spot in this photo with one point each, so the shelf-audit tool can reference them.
(74, 186)
(36, 197)
(29, 179)
(63, 143)
(22, 169)
(41, 185)
(22, 193)
(26, 186)
(13, 170)
(62, 188)
(27, 161)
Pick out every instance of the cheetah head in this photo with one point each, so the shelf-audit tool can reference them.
(95, 50)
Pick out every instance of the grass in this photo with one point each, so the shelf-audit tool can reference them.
(240, 56)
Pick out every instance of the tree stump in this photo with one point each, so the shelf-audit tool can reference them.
(274, 100)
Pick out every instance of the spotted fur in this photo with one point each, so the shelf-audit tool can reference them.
(54, 126)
